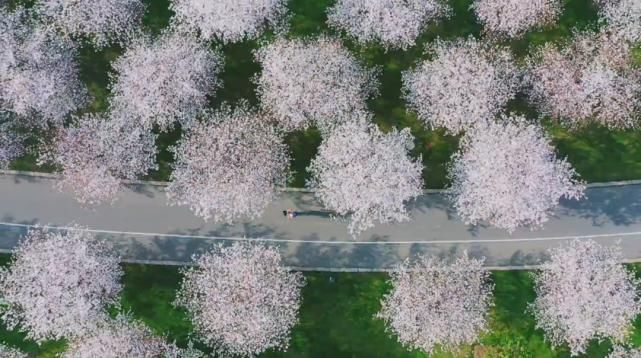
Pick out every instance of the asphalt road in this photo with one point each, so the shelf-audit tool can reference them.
(143, 228)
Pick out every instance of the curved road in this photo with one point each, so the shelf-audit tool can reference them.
(144, 228)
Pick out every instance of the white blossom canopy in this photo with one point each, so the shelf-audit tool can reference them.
(101, 21)
(306, 82)
(623, 352)
(38, 71)
(241, 300)
(435, 303)
(229, 20)
(121, 337)
(164, 81)
(366, 174)
(229, 166)
(512, 18)
(584, 293)
(623, 16)
(465, 82)
(7, 352)
(590, 79)
(11, 141)
(58, 284)
(507, 174)
(96, 154)
(393, 23)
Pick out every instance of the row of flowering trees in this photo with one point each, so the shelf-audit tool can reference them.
(243, 301)
(393, 23)
(230, 162)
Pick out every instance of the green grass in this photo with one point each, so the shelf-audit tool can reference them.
(337, 317)
(598, 154)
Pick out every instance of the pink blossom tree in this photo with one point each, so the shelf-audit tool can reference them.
(366, 174)
(229, 166)
(465, 82)
(120, 337)
(393, 23)
(101, 21)
(58, 284)
(11, 141)
(506, 173)
(241, 300)
(585, 293)
(96, 154)
(161, 81)
(623, 352)
(229, 20)
(435, 303)
(512, 18)
(623, 16)
(589, 79)
(38, 71)
(7, 352)
(317, 81)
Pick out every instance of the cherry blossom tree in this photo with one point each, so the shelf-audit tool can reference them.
(436, 303)
(506, 173)
(96, 154)
(101, 21)
(38, 71)
(366, 174)
(241, 300)
(121, 337)
(11, 141)
(7, 352)
(161, 81)
(465, 82)
(589, 79)
(622, 352)
(58, 284)
(229, 166)
(584, 293)
(317, 81)
(623, 16)
(229, 20)
(394, 23)
(512, 18)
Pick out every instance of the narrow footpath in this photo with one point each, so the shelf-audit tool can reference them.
(143, 228)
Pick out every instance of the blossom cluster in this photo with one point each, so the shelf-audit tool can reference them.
(434, 302)
(101, 21)
(588, 79)
(229, 166)
(120, 337)
(623, 16)
(466, 81)
(512, 18)
(394, 23)
(367, 174)
(584, 293)
(39, 76)
(317, 81)
(241, 300)
(96, 154)
(228, 20)
(159, 82)
(506, 173)
(58, 284)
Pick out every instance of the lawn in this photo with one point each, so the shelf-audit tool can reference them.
(336, 318)
(597, 154)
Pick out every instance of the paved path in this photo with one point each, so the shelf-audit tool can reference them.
(145, 229)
